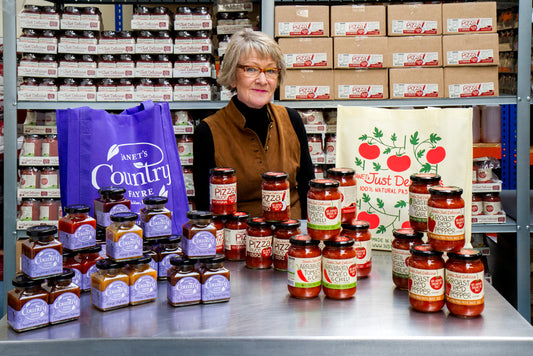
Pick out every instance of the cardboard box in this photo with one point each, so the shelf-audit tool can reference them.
(465, 82)
(469, 17)
(414, 19)
(358, 20)
(409, 83)
(415, 51)
(361, 84)
(312, 53)
(473, 49)
(361, 52)
(301, 21)
(307, 84)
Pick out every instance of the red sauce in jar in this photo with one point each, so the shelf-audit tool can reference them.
(223, 191)
(111, 201)
(219, 222)
(446, 219)
(492, 204)
(258, 244)
(304, 267)
(418, 199)
(465, 292)
(27, 305)
(77, 230)
(276, 199)
(477, 204)
(402, 242)
(339, 268)
(315, 144)
(348, 190)
(323, 209)
(235, 236)
(358, 230)
(426, 279)
(280, 245)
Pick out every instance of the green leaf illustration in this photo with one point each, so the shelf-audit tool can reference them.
(387, 151)
(358, 162)
(434, 138)
(380, 203)
(366, 198)
(420, 153)
(400, 204)
(377, 132)
(377, 166)
(393, 137)
(426, 168)
(363, 137)
(414, 138)
(381, 229)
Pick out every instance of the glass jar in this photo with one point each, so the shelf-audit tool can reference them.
(235, 236)
(109, 285)
(418, 198)
(426, 279)
(87, 259)
(402, 242)
(155, 217)
(42, 253)
(185, 144)
(258, 244)
(77, 229)
(143, 281)
(27, 304)
(199, 235)
(323, 209)
(49, 210)
(70, 261)
(358, 230)
(111, 201)
(63, 297)
(215, 280)
(183, 283)
(149, 248)
(276, 196)
(30, 178)
(492, 204)
(49, 146)
(477, 204)
(331, 144)
(49, 178)
(166, 250)
(304, 267)
(315, 144)
(319, 172)
(348, 190)
(446, 218)
(219, 222)
(32, 146)
(29, 210)
(124, 239)
(223, 191)
(483, 170)
(339, 268)
(280, 244)
(465, 292)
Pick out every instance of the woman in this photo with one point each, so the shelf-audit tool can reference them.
(250, 134)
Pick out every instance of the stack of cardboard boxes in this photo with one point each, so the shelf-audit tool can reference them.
(396, 51)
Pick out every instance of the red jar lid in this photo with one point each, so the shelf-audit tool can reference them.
(324, 183)
(274, 175)
(465, 255)
(341, 241)
(303, 240)
(288, 224)
(221, 171)
(425, 177)
(341, 171)
(407, 233)
(356, 225)
(258, 222)
(445, 190)
(239, 215)
(424, 250)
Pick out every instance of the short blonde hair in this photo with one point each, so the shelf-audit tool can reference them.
(243, 43)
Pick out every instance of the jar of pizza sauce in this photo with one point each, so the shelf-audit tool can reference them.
(63, 297)
(358, 230)
(258, 244)
(223, 191)
(446, 218)
(235, 236)
(323, 209)
(42, 253)
(339, 268)
(110, 285)
(402, 242)
(280, 245)
(111, 201)
(418, 198)
(348, 190)
(77, 230)
(276, 197)
(426, 279)
(183, 283)
(219, 221)
(304, 267)
(124, 239)
(155, 217)
(27, 304)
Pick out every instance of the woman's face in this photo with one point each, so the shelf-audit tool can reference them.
(255, 92)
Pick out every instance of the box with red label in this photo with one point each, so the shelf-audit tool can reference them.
(191, 21)
(37, 92)
(38, 20)
(307, 84)
(77, 45)
(467, 82)
(361, 84)
(472, 49)
(90, 22)
(37, 68)
(415, 51)
(358, 20)
(411, 83)
(414, 19)
(469, 17)
(361, 52)
(115, 93)
(312, 53)
(76, 93)
(76, 69)
(154, 45)
(37, 44)
(301, 21)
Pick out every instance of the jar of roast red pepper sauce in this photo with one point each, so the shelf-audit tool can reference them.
(426, 279)
(280, 245)
(465, 292)
(276, 198)
(403, 240)
(258, 244)
(223, 191)
(446, 219)
(235, 236)
(304, 267)
(348, 190)
(358, 230)
(323, 209)
(339, 268)
(418, 198)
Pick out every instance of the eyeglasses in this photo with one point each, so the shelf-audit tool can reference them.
(253, 72)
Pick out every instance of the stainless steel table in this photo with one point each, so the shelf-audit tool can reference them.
(261, 319)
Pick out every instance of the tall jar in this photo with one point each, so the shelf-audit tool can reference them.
(77, 230)
(323, 209)
(339, 268)
(199, 235)
(111, 201)
(223, 191)
(402, 242)
(426, 279)
(27, 304)
(235, 236)
(276, 197)
(348, 190)
(63, 297)
(280, 244)
(42, 253)
(142, 281)
(215, 280)
(219, 221)
(358, 230)
(124, 239)
(304, 268)
(446, 218)
(87, 259)
(258, 244)
(183, 283)
(110, 285)
(418, 198)
(155, 217)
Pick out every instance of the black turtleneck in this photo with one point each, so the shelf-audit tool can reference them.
(256, 119)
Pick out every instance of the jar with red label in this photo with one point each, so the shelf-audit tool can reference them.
(319, 172)
(492, 204)
(348, 190)
(70, 261)
(111, 201)
(219, 221)
(276, 199)
(223, 191)
(339, 268)
(465, 292)
(258, 244)
(280, 245)
(32, 146)
(477, 204)
(49, 146)
(315, 144)
(418, 198)
(49, 178)
(358, 230)
(304, 267)
(402, 242)
(29, 210)
(474, 173)
(142, 10)
(185, 143)
(484, 170)
(426, 279)
(446, 218)
(323, 209)
(235, 236)
(331, 144)
(49, 210)
(30, 178)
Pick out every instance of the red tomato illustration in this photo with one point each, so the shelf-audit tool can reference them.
(369, 151)
(436, 155)
(398, 163)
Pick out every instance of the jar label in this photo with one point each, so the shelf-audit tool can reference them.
(477, 208)
(129, 245)
(363, 252)
(185, 149)
(26, 213)
(223, 194)
(323, 214)
(104, 219)
(280, 248)
(49, 181)
(276, 200)
(315, 148)
(400, 264)
(28, 149)
(103, 252)
(465, 288)
(144, 288)
(84, 236)
(28, 181)
(339, 273)
(187, 289)
(331, 148)
(33, 313)
(65, 307)
(203, 243)
(484, 174)
(426, 284)
(259, 246)
(116, 294)
(446, 224)
(158, 225)
(304, 272)
(45, 149)
(78, 277)
(86, 278)
(155, 265)
(215, 287)
(492, 207)
(418, 207)
(48, 262)
(348, 196)
(234, 240)
(164, 265)
(44, 213)
(220, 240)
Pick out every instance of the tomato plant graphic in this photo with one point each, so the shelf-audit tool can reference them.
(374, 212)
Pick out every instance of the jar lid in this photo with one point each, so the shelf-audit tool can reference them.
(221, 171)
(303, 240)
(465, 255)
(111, 190)
(341, 172)
(239, 215)
(288, 224)
(341, 241)
(407, 233)
(324, 183)
(100, 234)
(258, 222)
(92, 249)
(218, 258)
(124, 216)
(445, 190)
(108, 263)
(274, 175)
(24, 282)
(172, 239)
(198, 214)
(77, 208)
(356, 225)
(222, 217)
(425, 177)
(145, 259)
(69, 253)
(41, 231)
(424, 250)
(67, 274)
(154, 199)
(181, 261)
